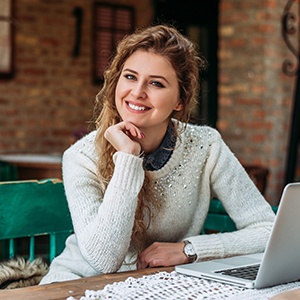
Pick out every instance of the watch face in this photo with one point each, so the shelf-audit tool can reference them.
(189, 249)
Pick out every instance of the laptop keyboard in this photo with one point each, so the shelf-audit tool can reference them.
(247, 272)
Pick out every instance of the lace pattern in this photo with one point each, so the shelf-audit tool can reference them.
(171, 286)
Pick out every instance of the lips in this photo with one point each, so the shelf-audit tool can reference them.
(137, 107)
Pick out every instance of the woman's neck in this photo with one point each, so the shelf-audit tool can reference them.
(153, 139)
(151, 143)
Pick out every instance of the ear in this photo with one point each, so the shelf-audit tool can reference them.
(178, 107)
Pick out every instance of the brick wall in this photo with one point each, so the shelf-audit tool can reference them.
(52, 95)
(254, 94)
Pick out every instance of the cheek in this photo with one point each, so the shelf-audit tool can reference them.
(118, 92)
(121, 89)
(117, 99)
(172, 103)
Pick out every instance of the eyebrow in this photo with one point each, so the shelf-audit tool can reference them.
(151, 76)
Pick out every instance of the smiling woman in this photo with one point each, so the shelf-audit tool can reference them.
(139, 186)
(147, 93)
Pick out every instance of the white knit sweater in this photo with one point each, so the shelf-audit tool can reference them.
(201, 167)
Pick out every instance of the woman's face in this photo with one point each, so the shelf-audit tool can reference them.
(147, 91)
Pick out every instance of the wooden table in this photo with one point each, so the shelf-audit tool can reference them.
(35, 166)
(75, 288)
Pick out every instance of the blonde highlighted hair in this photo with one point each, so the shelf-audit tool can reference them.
(168, 42)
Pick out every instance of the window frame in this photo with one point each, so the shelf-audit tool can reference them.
(113, 32)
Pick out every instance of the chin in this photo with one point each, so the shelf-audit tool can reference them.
(134, 121)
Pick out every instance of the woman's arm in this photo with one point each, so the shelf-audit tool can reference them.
(102, 221)
(243, 202)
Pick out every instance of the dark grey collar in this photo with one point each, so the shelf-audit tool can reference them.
(156, 160)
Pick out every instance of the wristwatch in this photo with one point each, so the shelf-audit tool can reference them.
(189, 251)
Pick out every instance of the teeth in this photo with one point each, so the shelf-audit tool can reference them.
(136, 107)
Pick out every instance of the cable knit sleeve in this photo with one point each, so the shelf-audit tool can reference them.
(102, 222)
(251, 213)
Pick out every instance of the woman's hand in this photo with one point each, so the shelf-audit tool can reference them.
(124, 137)
(162, 255)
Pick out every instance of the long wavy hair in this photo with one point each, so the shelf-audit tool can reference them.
(168, 42)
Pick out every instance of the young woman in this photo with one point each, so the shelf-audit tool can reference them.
(139, 186)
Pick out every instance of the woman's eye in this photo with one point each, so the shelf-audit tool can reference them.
(157, 83)
(129, 76)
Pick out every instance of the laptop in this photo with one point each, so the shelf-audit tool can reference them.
(280, 262)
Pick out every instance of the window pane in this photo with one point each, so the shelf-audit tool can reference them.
(104, 16)
(123, 19)
(112, 23)
(103, 51)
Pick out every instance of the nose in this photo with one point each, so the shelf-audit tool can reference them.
(138, 91)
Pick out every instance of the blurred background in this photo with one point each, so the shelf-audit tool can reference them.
(53, 53)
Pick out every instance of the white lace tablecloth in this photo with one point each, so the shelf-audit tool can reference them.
(172, 285)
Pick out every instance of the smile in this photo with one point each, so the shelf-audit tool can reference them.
(138, 108)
